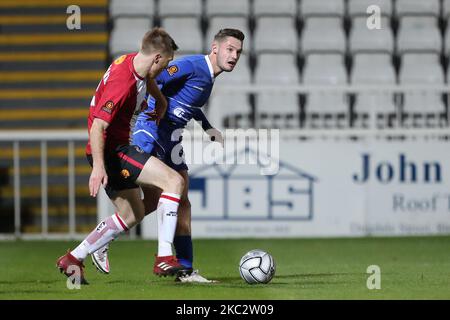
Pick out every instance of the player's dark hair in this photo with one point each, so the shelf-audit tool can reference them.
(158, 39)
(228, 32)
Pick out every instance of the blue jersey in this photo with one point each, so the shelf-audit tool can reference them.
(187, 84)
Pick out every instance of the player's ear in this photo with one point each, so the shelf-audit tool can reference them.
(214, 47)
(157, 58)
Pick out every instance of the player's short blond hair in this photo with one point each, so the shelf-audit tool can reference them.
(158, 39)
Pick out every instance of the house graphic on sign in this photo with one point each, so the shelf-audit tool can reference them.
(240, 192)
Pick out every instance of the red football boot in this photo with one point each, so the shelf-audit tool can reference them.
(167, 266)
(68, 260)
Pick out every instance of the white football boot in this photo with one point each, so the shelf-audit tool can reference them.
(100, 259)
(194, 276)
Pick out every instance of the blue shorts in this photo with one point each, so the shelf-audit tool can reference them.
(157, 140)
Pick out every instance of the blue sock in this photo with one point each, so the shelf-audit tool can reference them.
(183, 247)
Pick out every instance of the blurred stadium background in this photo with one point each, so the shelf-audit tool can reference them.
(310, 68)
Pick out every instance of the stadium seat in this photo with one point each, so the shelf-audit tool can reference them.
(118, 8)
(274, 108)
(180, 8)
(227, 8)
(127, 34)
(422, 108)
(373, 108)
(268, 31)
(419, 34)
(186, 33)
(448, 73)
(446, 9)
(324, 69)
(417, 7)
(359, 7)
(278, 110)
(447, 41)
(322, 7)
(326, 109)
(364, 39)
(421, 69)
(275, 8)
(372, 69)
(323, 34)
(217, 23)
(229, 110)
(273, 68)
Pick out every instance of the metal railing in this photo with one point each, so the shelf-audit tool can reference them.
(16, 138)
(370, 131)
(43, 138)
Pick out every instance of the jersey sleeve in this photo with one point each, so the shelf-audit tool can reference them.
(112, 99)
(176, 71)
(199, 116)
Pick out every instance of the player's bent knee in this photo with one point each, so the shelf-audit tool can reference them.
(139, 216)
(176, 182)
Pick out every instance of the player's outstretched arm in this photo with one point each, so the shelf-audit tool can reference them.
(98, 175)
(215, 134)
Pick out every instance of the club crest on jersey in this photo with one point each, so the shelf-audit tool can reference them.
(125, 173)
(172, 70)
(108, 107)
(120, 59)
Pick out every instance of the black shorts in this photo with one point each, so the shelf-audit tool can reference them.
(123, 166)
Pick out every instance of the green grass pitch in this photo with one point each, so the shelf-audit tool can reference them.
(411, 268)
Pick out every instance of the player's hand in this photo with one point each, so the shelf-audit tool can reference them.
(160, 110)
(151, 115)
(215, 135)
(98, 177)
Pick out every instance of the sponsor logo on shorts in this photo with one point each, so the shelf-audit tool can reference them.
(172, 70)
(108, 107)
(125, 173)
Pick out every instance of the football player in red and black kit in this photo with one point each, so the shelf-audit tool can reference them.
(121, 167)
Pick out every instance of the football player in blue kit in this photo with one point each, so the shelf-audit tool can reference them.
(187, 84)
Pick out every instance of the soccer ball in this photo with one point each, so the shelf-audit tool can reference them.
(257, 266)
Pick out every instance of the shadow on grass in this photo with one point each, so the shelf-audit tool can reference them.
(307, 275)
(304, 279)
